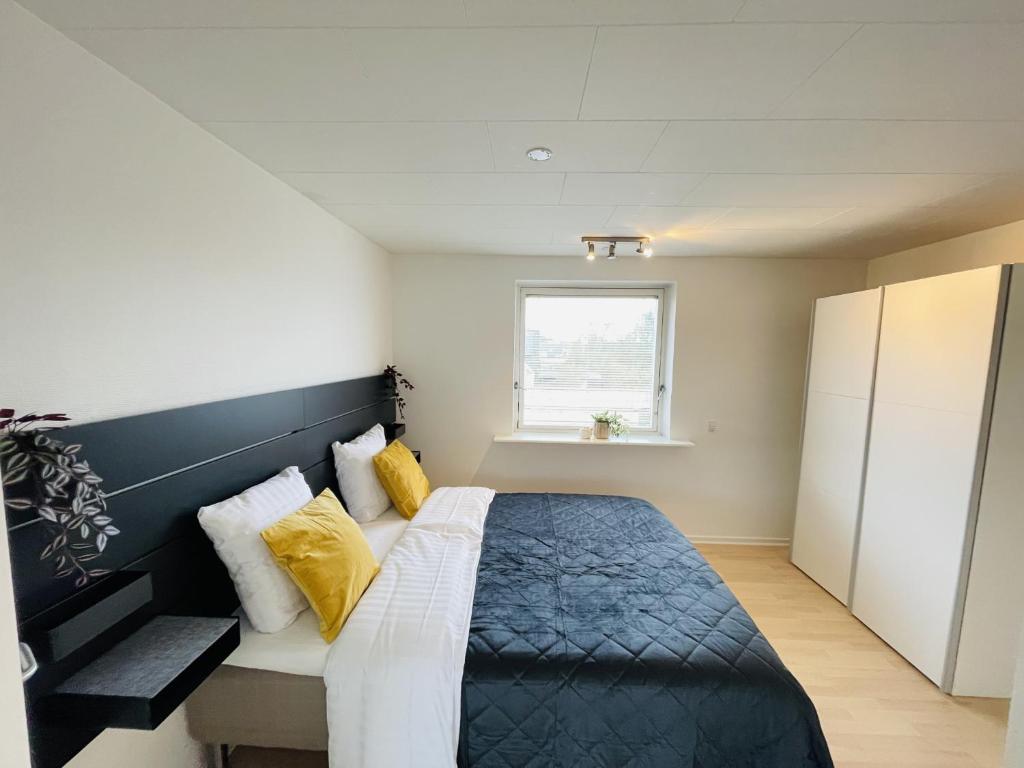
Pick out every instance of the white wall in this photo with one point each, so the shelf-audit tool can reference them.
(145, 265)
(741, 345)
(13, 730)
(999, 245)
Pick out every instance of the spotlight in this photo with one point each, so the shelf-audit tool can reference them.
(643, 244)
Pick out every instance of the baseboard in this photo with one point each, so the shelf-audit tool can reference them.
(750, 541)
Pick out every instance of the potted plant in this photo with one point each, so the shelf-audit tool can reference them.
(396, 381)
(608, 424)
(47, 477)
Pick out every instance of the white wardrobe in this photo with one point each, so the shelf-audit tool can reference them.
(911, 496)
(840, 380)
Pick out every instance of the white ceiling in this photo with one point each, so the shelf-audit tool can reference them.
(834, 128)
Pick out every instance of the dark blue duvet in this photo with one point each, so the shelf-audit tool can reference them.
(601, 637)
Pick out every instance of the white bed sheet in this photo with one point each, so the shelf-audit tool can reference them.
(298, 649)
(394, 675)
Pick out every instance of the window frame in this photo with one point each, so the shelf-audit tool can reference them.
(659, 387)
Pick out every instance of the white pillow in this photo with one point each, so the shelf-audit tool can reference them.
(270, 599)
(364, 496)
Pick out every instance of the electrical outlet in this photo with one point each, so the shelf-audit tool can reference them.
(712, 425)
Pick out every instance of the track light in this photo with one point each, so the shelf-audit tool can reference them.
(643, 244)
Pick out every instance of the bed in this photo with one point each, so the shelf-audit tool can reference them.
(270, 691)
(598, 636)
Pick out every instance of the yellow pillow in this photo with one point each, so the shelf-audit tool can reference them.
(325, 553)
(402, 478)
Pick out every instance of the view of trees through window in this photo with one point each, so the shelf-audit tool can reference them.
(588, 353)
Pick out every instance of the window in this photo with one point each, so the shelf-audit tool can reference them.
(586, 350)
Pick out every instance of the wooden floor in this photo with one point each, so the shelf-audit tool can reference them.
(876, 709)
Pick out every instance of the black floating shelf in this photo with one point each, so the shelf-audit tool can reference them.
(112, 600)
(145, 677)
(394, 431)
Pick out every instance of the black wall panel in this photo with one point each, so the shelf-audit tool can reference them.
(158, 469)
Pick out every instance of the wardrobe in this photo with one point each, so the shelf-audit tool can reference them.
(910, 507)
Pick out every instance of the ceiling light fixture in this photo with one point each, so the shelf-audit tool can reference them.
(643, 244)
(539, 154)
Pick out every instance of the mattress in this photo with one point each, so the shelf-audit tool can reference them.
(298, 649)
(600, 636)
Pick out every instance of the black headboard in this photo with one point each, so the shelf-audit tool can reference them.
(157, 470)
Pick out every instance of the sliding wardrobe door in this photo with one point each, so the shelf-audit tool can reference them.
(994, 605)
(931, 394)
(840, 376)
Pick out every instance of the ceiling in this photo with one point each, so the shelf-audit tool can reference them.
(833, 128)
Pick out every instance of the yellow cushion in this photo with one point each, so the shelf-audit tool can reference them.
(325, 553)
(402, 478)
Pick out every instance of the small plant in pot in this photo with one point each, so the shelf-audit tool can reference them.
(607, 424)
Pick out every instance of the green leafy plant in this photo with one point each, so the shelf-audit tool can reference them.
(46, 476)
(396, 382)
(616, 424)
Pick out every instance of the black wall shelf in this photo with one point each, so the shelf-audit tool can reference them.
(394, 431)
(113, 600)
(145, 677)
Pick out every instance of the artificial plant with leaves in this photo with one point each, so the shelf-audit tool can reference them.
(46, 476)
(616, 424)
(396, 382)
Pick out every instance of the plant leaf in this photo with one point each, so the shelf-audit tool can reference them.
(47, 513)
(111, 530)
(101, 541)
(15, 477)
(18, 503)
(19, 461)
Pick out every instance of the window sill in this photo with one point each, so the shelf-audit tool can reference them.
(568, 438)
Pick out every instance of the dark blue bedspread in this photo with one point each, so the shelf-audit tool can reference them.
(601, 637)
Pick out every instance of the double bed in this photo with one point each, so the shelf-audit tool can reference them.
(597, 636)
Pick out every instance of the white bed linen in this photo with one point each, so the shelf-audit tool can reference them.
(382, 533)
(298, 649)
(394, 675)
